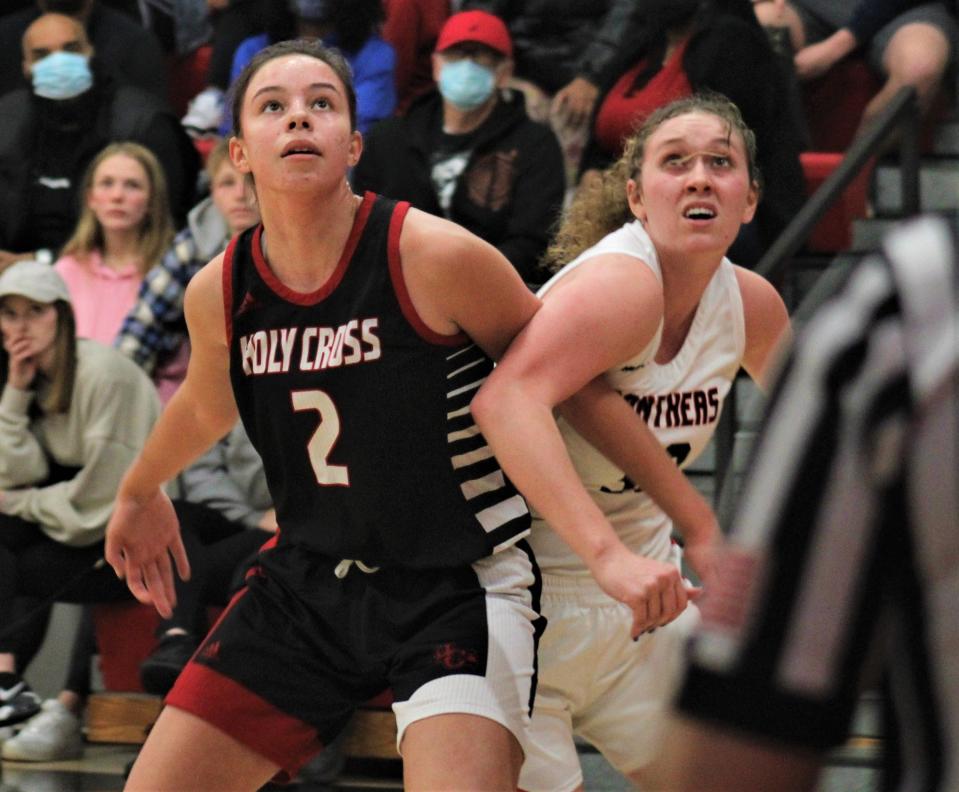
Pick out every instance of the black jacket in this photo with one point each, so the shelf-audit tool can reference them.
(557, 40)
(510, 193)
(41, 138)
(733, 57)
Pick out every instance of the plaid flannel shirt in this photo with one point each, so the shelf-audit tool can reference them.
(155, 326)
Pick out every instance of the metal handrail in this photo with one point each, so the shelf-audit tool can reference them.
(902, 114)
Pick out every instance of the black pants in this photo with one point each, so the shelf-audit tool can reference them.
(220, 551)
(35, 568)
(36, 571)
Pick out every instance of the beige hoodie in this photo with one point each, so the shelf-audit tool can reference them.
(113, 409)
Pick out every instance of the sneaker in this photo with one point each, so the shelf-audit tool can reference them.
(160, 670)
(204, 113)
(33, 780)
(50, 736)
(17, 703)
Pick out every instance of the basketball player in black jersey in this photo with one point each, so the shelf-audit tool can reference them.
(354, 333)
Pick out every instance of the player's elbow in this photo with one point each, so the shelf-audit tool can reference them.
(486, 404)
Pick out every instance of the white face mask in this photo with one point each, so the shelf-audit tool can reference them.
(61, 75)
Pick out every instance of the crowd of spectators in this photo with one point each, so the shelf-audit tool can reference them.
(54, 128)
(491, 113)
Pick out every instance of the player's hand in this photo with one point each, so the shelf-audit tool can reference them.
(142, 536)
(574, 103)
(654, 591)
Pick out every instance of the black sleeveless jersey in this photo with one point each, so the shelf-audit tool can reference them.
(360, 411)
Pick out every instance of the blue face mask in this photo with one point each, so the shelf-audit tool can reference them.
(466, 84)
(61, 75)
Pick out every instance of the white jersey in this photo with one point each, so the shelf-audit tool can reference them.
(680, 401)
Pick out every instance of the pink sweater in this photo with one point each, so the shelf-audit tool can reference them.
(101, 297)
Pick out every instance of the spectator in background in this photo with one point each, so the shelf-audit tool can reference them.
(469, 152)
(51, 133)
(73, 414)
(564, 49)
(684, 48)
(124, 228)
(153, 333)
(411, 27)
(352, 27)
(909, 42)
(124, 225)
(843, 563)
(126, 51)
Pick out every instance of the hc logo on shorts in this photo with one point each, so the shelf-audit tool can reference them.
(455, 658)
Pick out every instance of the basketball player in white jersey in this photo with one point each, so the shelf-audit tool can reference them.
(649, 303)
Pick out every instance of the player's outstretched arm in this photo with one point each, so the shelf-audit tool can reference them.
(143, 535)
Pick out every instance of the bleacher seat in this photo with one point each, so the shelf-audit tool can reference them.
(125, 636)
(834, 105)
(833, 232)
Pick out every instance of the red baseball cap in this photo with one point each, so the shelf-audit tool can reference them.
(478, 26)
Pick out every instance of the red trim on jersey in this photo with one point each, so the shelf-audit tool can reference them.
(312, 298)
(399, 284)
(226, 277)
(247, 718)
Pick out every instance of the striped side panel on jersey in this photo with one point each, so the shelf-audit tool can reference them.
(498, 507)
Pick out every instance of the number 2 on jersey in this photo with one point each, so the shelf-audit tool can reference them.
(324, 438)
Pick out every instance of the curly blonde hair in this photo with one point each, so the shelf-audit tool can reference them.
(601, 207)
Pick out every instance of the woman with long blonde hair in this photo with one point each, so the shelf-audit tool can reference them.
(124, 229)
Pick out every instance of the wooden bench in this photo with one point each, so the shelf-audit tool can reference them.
(123, 713)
